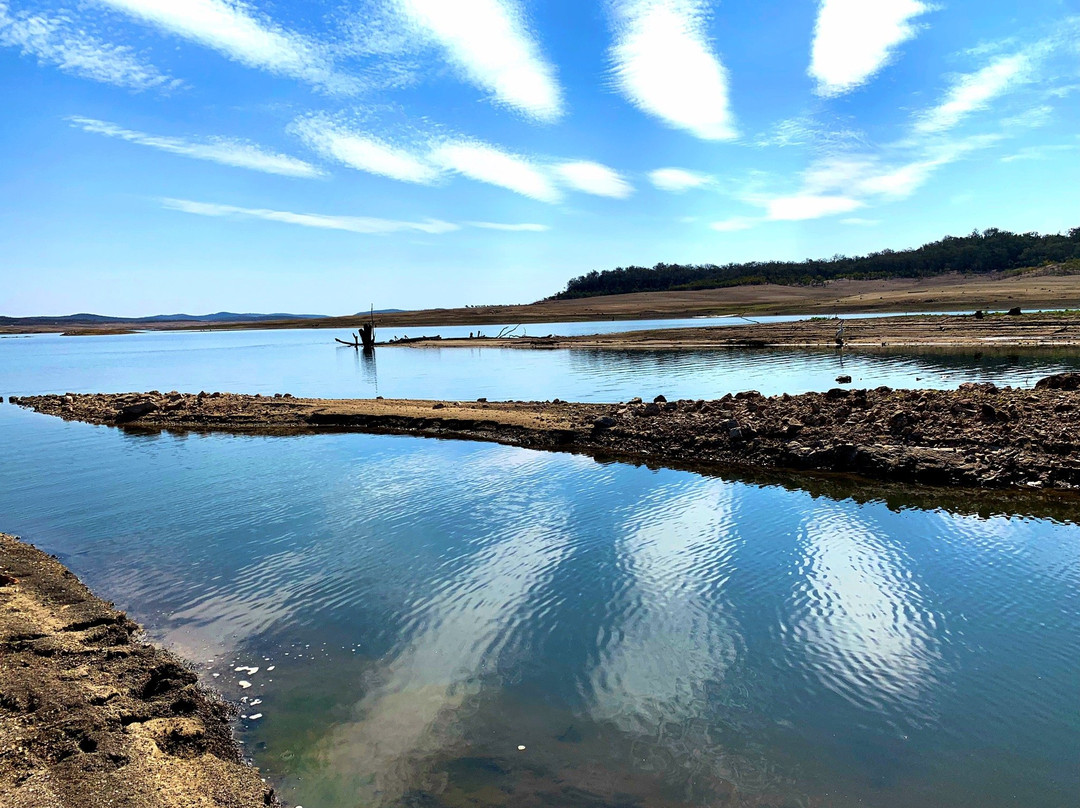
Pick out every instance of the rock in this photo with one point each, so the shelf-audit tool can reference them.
(438, 406)
(484, 400)
(842, 379)
(133, 411)
(603, 422)
(979, 314)
(1059, 381)
(659, 400)
(634, 400)
(650, 409)
(1015, 311)
(735, 433)
(671, 406)
(837, 392)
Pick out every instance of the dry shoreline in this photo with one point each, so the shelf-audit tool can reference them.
(978, 436)
(1040, 288)
(991, 332)
(92, 716)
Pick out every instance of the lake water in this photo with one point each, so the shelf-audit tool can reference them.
(418, 610)
(310, 363)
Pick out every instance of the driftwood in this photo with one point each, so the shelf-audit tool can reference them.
(365, 338)
(407, 340)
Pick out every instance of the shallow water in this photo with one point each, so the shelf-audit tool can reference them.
(651, 637)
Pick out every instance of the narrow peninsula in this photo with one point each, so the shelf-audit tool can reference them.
(977, 436)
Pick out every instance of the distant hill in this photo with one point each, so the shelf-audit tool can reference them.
(992, 250)
(101, 319)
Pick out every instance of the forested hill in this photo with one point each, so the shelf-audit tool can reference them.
(980, 253)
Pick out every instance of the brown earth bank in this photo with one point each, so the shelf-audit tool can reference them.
(978, 436)
(1037, 288)
(92, 716)
(989, 332)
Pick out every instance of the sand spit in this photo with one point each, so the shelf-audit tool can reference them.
(91, 716)
(987, 333)
(978, 436)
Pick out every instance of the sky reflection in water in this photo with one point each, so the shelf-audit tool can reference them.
(428, 606)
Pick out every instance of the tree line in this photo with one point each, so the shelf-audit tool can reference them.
(992, 250)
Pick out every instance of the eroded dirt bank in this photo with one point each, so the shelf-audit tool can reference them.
(978, 436)
(91, 716)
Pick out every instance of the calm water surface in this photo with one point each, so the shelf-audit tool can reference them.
(308, 363)
(419, 610)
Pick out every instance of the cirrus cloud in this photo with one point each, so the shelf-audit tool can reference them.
(665, 66)
(678, 180)
(229, 27)
(974, 91)
(594, 178)
(362, 151)
(59, 41)
(490, 43)
(855, 39)
(486, 163)
(238, 153)
(352, 224)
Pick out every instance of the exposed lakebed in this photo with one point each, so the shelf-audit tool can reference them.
(651, 637)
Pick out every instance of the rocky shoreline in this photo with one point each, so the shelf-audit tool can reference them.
(978, 436)
(92, 716)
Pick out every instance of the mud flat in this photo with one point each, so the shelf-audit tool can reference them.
(978, 436)
(990, 332)
(92, 716)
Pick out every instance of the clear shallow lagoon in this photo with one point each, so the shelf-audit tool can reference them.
(650, 637)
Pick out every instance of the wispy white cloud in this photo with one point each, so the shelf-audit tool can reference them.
(855, 39)
(863, 176)
(809, 206)
(678, 180)
(352, 224)
(666, 67)
(974, 91)
(524, 227)
(490, 43)
(594, 178)
(59, 41)
(234, 30)
(1040, 152)
(860, 222)
(809, 131)
(486, 163)
(428, 159)
(362, 151)
(220, 150)
(734, 224)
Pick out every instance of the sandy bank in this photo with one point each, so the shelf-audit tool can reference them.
(978, 436)
(91, 716)
(993, 331)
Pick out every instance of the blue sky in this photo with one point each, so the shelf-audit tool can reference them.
(321, 156)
